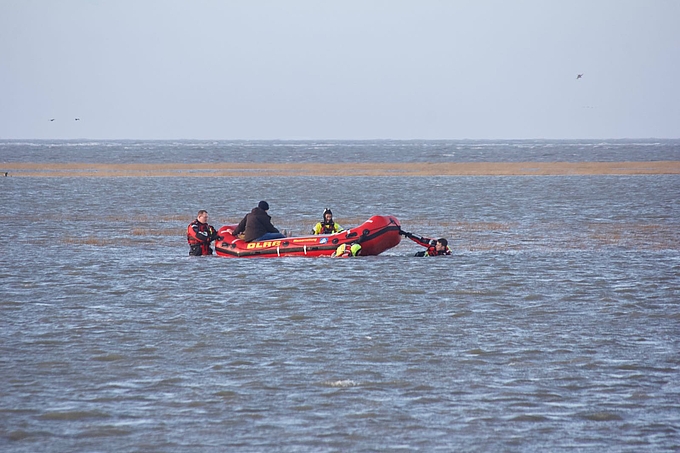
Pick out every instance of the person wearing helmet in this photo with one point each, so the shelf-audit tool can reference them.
(435, 247)
(347, 250)
(327, 225)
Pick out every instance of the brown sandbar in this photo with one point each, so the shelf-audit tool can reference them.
(227, 169)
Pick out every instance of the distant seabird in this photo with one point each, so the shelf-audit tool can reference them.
(77, 119)
(51, 119)
(578, 76)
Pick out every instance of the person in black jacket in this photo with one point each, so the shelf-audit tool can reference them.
(257, 225)
(435, 247)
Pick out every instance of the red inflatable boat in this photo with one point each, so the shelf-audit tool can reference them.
(375, 235)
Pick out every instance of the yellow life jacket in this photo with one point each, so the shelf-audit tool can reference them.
(346, 250)
(324, 228)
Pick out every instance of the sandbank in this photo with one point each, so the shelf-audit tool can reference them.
(229, 169)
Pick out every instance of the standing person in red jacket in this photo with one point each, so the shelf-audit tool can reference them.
(200, 235)
(435, 247)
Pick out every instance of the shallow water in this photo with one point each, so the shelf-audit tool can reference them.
(554, 326)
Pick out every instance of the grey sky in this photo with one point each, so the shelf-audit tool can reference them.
(351, 69)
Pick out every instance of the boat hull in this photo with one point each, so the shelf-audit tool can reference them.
(375, 235)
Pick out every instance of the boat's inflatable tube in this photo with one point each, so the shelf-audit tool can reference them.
(375, 235)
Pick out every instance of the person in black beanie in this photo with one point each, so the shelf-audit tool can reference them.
(257, 225)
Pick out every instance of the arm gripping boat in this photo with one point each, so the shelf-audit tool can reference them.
(375, 235)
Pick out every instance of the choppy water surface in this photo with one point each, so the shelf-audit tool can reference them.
(200, 151)
(554, 326)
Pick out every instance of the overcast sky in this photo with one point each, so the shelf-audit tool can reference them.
(349, 69)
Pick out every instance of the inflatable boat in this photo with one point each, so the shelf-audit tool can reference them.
(375, 235)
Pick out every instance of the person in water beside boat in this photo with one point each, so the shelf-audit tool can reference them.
(435, 247)
(200, 235)
(327, 225)
(257, 225)
(347, 250)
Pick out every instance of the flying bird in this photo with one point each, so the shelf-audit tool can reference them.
(77, 119)
(578, 76)
(51, 119)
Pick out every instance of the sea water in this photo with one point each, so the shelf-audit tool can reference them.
(554, 326)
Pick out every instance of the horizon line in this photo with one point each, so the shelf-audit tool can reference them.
(342, 139)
